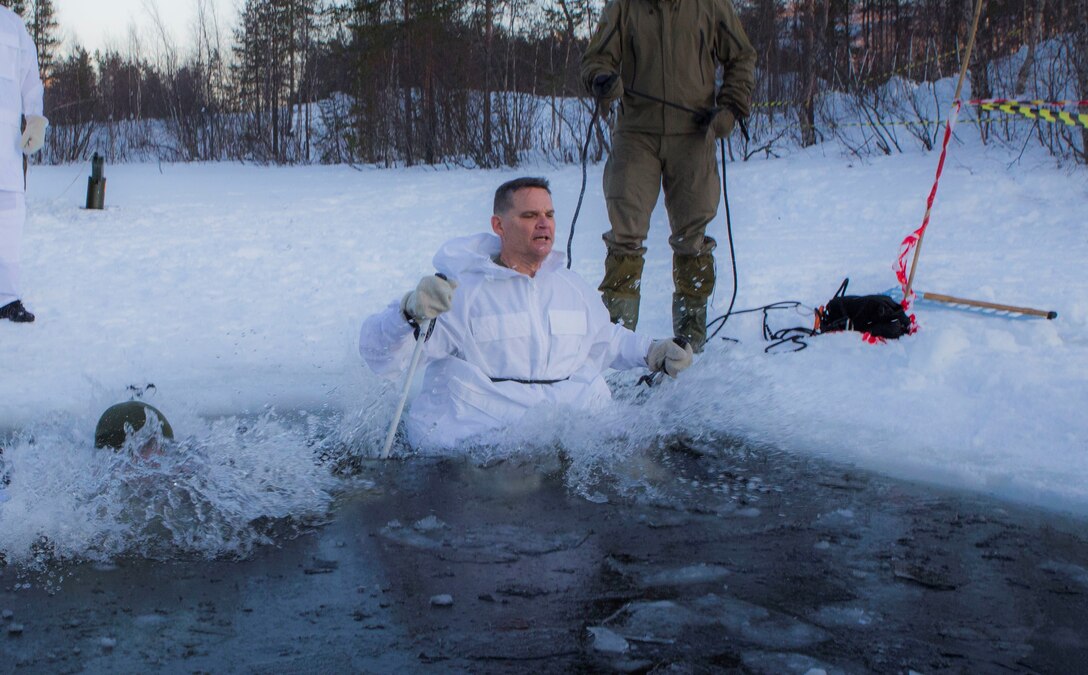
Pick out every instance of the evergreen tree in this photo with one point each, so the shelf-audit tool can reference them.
(71, 103)
(273, 48)
(41, 19)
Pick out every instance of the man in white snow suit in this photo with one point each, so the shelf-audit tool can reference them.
(520, 331)
(660, 59)
(22, 132)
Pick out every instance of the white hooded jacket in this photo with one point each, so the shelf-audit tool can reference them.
(502, 325)
(20, 94)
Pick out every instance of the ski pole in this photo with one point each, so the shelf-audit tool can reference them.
(424, 332)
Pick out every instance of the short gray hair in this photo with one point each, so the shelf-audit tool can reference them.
(504, 196)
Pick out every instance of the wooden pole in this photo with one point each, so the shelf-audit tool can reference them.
(952, 300)
(956, 109)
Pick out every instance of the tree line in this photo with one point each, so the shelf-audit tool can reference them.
(492, 82)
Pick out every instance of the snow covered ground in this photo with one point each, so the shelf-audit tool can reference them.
(238, 290)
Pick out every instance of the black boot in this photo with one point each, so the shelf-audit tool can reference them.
(14, 311)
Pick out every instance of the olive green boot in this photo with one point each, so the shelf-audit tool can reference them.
(620, 287)
(693, 276)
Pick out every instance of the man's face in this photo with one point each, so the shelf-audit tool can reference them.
(527, 228)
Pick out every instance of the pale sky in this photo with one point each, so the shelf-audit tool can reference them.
(97, 23)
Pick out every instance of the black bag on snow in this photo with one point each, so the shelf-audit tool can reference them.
(877, 315)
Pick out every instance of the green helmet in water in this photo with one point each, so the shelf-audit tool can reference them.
(110, 432)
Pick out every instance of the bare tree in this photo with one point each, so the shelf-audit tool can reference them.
(70, 103)
(1080, 35)
(1035, 34)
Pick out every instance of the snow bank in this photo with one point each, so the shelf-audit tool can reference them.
(236, 289)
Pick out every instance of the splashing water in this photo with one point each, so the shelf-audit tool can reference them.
(610, 451)
(239, 482)
(235, 484)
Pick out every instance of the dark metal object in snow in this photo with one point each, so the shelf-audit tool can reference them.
(96, 184)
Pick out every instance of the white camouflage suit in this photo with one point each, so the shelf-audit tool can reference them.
(506, 326)
(20, 94)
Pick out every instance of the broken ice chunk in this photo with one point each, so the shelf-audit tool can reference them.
(444, 600)
(606, 641)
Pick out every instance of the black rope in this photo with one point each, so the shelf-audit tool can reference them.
(741, 123)
(732, 251)
(585, 161)
(794, 335)
(662, 101)
(725, 197)
(582, 193)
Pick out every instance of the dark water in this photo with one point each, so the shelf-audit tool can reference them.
(750, 562)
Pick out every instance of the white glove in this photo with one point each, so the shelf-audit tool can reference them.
(432, 296)
(668, 356)
(34, 136)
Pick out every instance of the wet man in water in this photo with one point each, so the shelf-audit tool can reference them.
(513, 329)
(121, 421)
(118, 424)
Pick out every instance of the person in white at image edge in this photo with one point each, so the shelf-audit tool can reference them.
(20, 99)
(513, 329)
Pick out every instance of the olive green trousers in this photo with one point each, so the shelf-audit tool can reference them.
(640, 166)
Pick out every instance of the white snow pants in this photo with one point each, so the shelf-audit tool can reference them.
(12, 217)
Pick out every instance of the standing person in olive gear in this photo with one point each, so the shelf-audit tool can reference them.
(22, 132)
(660, 58)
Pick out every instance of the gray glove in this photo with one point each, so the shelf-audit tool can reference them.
(432, 296)
(34, 136)
(668, 356)
(717, 122)
(606, 87)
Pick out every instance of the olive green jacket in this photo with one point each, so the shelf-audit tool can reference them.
(670, 49)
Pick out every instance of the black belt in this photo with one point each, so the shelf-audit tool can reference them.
(514, 379)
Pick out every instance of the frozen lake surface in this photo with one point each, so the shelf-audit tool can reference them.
(747, 562)
(853, 507)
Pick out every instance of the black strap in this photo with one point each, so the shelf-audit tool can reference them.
(411, 322)
(520, 381)
(416, 327)
(842, 289)
(662, 101)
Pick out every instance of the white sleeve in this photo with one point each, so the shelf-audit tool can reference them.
(623, 349)
(628, 349)
(386, 341)
(31, 79)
